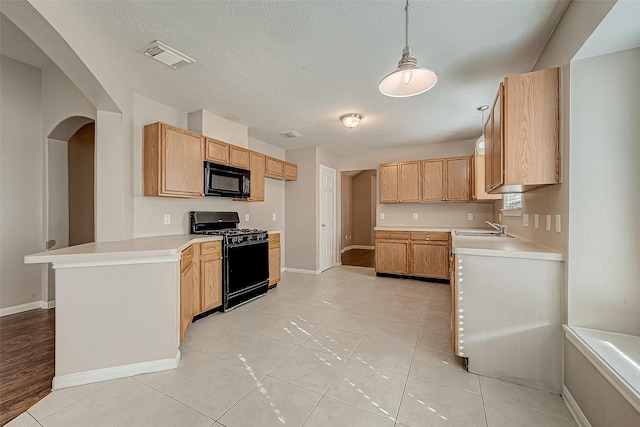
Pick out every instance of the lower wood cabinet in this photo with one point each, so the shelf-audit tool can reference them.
(418, 254)
(200, 281)
(392, 252)
(274, 258)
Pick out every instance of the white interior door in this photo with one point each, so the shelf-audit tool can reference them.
(327, 217)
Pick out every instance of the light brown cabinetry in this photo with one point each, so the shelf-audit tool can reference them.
(216, 151)
(478, 188)
(415, 253)
(400, 182)
(522, 152)
(274, 258)
(210, 276)
(188, 281)
(274, 168)
(257, 168)
(173, 164)
(392, 252)
(446, 180)
(430, 254)
(290, 171)
(238, 157)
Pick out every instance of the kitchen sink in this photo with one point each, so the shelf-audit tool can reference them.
(479, 234)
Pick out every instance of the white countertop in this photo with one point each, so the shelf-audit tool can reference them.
(144, 249)
(507, 247)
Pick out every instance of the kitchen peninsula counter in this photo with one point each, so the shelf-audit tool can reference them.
(117, 307)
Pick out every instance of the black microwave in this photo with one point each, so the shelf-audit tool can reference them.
(226, 181)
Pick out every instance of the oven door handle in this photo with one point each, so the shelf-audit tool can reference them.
(247, 243)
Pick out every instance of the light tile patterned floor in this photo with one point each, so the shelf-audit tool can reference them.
(345, 348)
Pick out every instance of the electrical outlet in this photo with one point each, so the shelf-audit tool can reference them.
(381, 215)
(548, 225)
(273, 217)
(246, 217)
(469, 216)
(525, 220)
(415, 215)
(558, 228)
(346, 237)
(536, 223)
(499, 217)
(167, 219)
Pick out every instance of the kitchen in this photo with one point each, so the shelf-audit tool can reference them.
(114, 223)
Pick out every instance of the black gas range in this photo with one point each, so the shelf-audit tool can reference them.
(245, 256)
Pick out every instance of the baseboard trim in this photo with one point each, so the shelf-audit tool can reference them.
(302, 271)
(575, 410)
(26, 307)
(97, 375)
(348, 248)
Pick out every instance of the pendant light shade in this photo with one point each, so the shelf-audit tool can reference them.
(408, 79)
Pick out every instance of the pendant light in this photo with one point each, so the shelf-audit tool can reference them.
(480, 141)
(408, 79)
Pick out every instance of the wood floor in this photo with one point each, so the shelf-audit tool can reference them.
(26, 360)
(359, 258)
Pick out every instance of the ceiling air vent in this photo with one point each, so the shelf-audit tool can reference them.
(291, 134)
(168, 56)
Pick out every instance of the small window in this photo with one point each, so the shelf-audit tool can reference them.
(512, 204)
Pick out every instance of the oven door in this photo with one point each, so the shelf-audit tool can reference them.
(246, 268)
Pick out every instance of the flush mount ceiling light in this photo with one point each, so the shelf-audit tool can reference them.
(408, 79)
(480, 141)
(351, 120)
(168, 56)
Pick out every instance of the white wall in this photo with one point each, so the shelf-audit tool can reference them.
(21, 182)
(604, 199)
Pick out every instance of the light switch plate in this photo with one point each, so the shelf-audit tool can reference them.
(536, 223)
(558, 227)
(470, 216)
(548, 225)
(381, 215)
(167, 219)
(525, 220)
(273, 217)
(415, 215)
(246, 217)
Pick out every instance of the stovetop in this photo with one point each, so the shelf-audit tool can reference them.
(231, 232)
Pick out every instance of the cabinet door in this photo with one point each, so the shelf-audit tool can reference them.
(478, 175)
(388, 183)
(457, 182)
(182, 163)
(257, 169)
(409, 182)
(187, 279)
(488, 152)
(211, 281)
(497, 143)
(432, 182)
(274, 263)
(274, 168)
(392, 257)
(217, 151)
(238, 157)
(290, 171)
(430, 259)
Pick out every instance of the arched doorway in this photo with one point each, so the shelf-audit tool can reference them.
(70, 189)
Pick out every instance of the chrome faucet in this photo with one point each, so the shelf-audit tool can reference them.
(502, 229)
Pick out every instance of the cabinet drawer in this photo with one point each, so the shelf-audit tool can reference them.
(393, 235)
(430, 235)
(207, 248)
(187, 257)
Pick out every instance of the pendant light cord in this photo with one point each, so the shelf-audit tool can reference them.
(406, 28)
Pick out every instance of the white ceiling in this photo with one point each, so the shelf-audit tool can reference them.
(280, 65)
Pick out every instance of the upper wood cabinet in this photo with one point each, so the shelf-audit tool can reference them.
(400, 182)
(216, 151)
(478, 188)
(173, 161)
(524, 151)
(290, 171)
(274, 168)
(446, 180)
(238, 157)
(257, 168)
